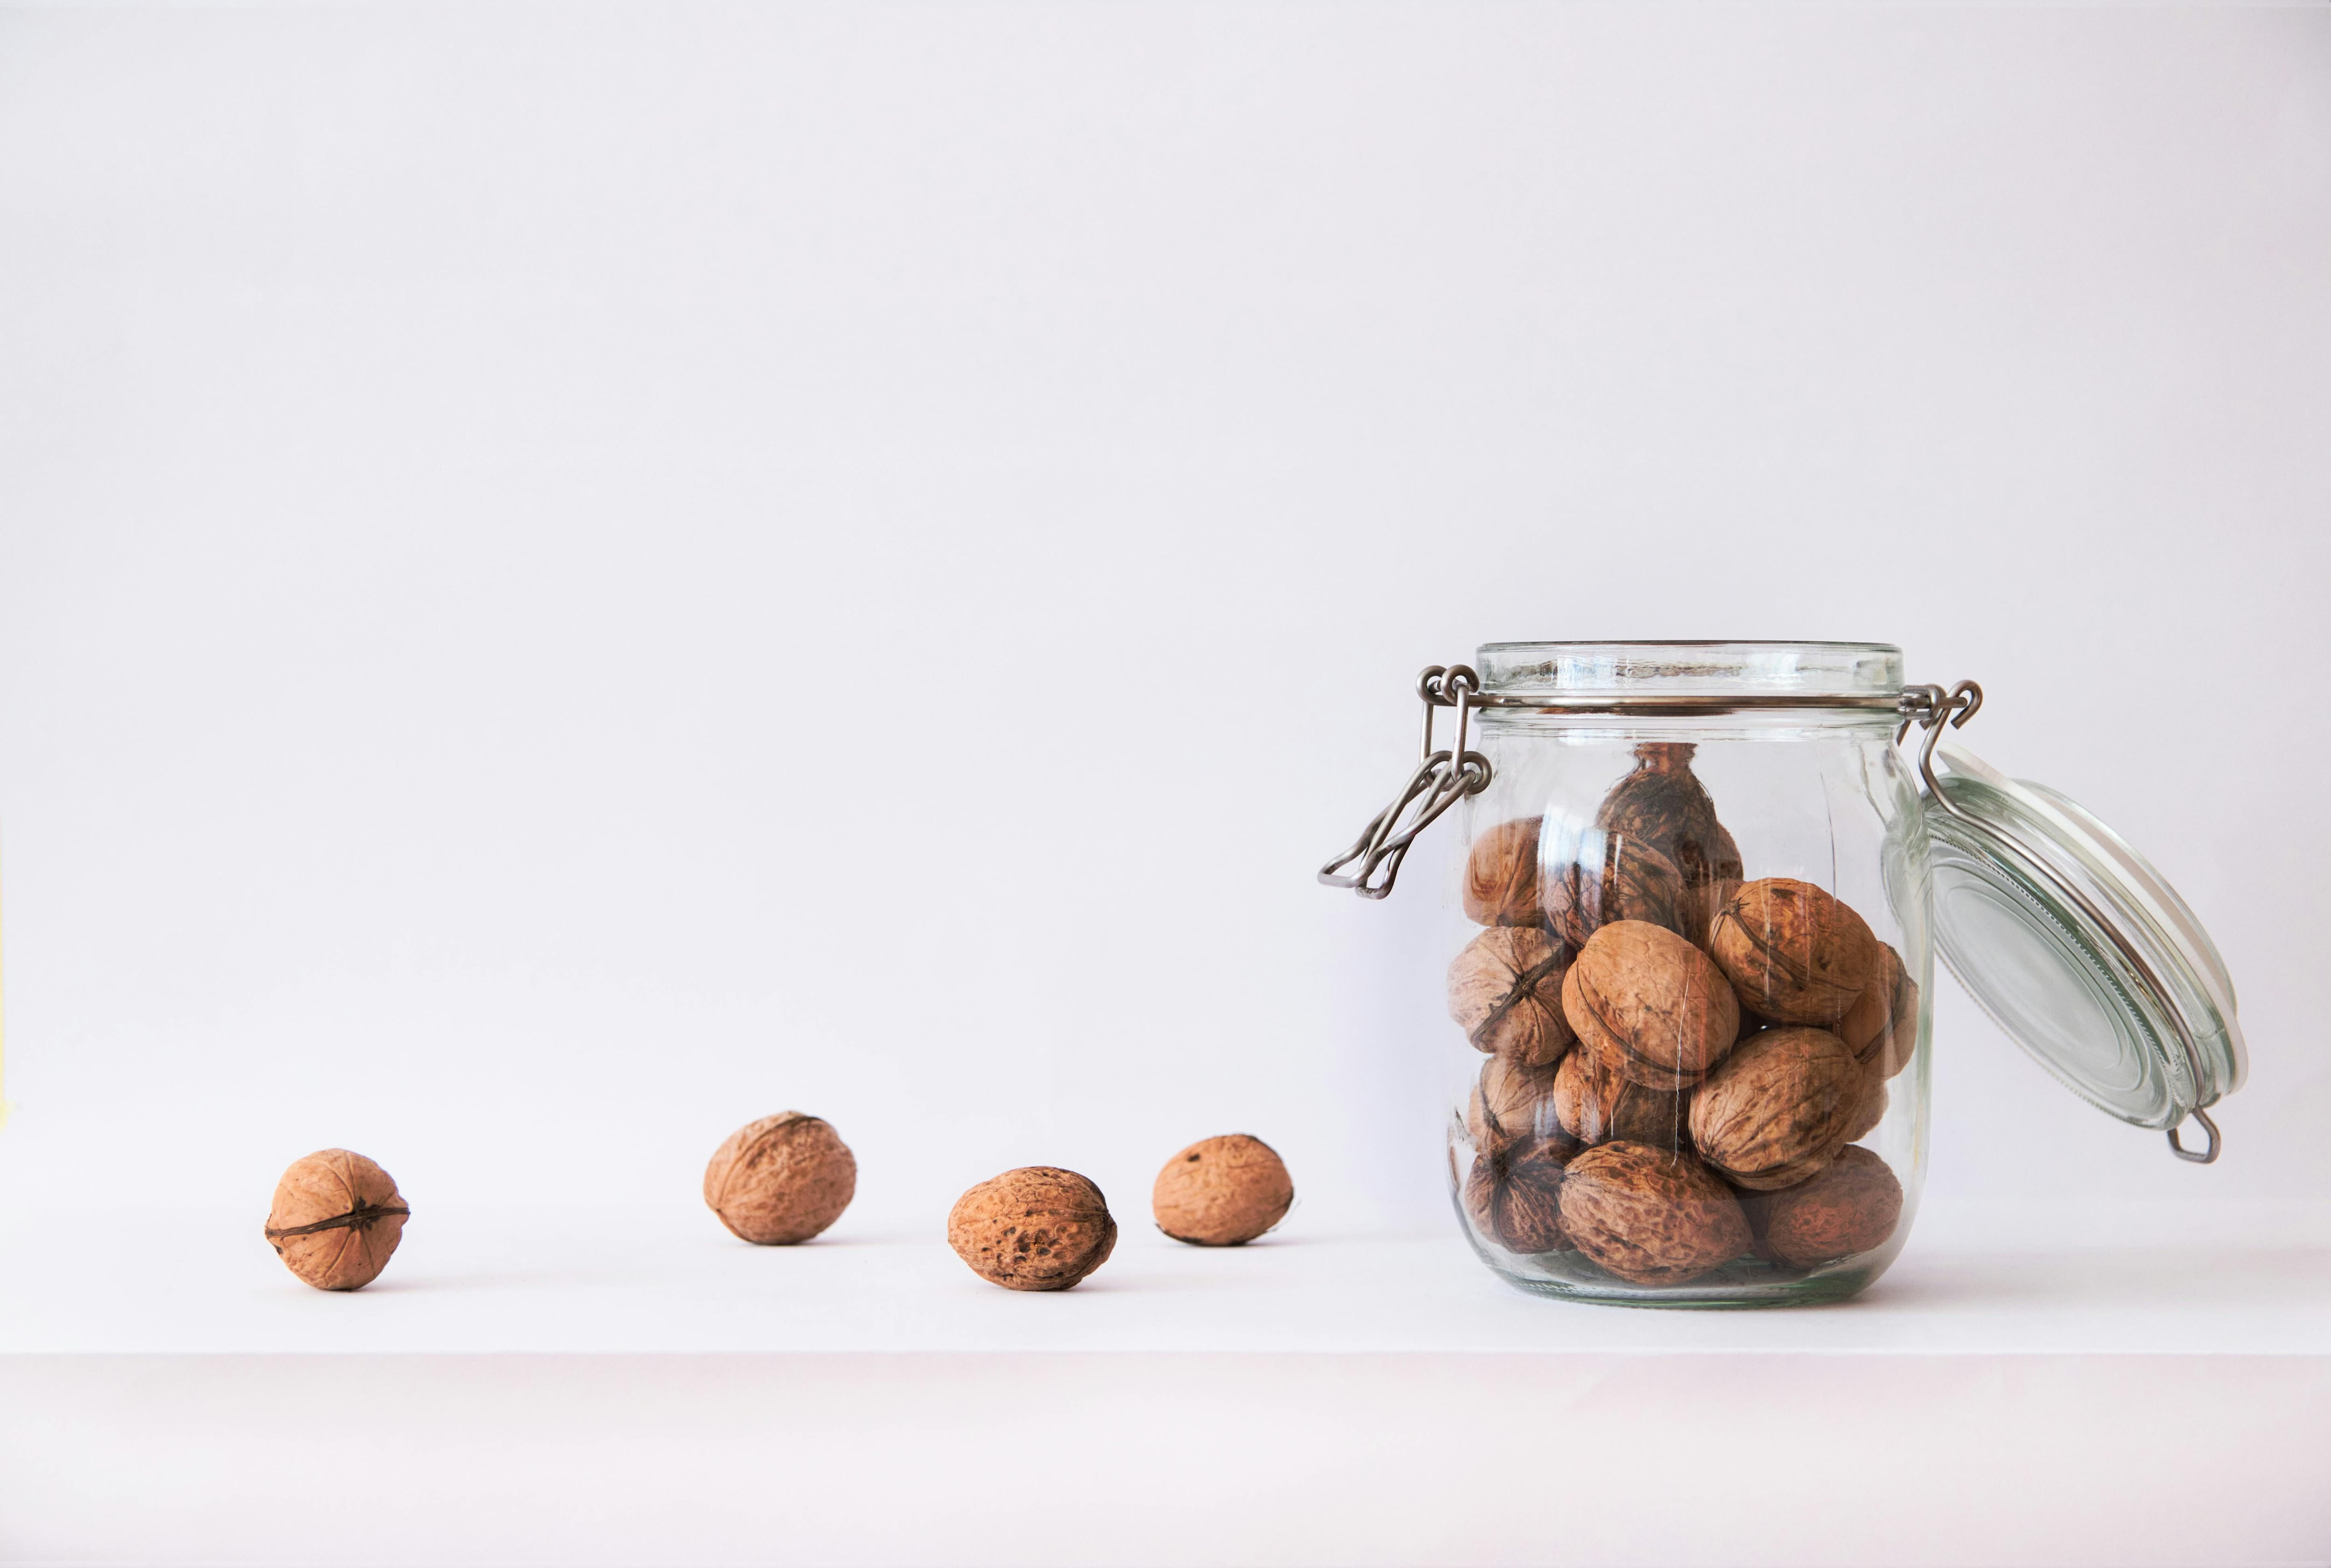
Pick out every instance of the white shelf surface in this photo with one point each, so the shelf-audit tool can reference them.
(475, 1283)
(650, 1391)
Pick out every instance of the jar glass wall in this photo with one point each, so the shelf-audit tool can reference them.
(1689, 959)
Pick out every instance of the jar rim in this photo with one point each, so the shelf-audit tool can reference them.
(1805, 671)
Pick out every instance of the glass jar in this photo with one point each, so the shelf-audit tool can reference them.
(1690, 925)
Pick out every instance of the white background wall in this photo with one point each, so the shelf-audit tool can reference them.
(571, 576)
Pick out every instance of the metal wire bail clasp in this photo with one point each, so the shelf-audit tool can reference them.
(1931, 707)
(1442, 779)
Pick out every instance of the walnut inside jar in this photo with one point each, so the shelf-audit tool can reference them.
(1513, 1194)
(1505, 992)
(1651, 1005)
(1662, 805)
(1511, 1099)
(1881, 1027)
(1778, 1108)
(1651, 1216)
(1596, 1103)
(1502, 882)
(1795, 954)
(1851, 1206)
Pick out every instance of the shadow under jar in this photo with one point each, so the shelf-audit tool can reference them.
(1689, 947)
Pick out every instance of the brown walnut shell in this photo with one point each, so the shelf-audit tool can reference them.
(1511, 1099)
(1882, 1025)
(1662, 803)
(1596, 1103)
(1514, 1196)
(1222, 1192)
(1870, 1109)
(1613, 878)
(1038, 1228)
(1795, 954)
(1501, 876)
(1777, 1109)
(1650, 1004)
(336, 1220)
(1505, 992)
(781, 1180)
(1651, 1216)
(1850, 1207)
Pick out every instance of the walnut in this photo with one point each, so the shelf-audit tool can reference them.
(1613, 878)
(337, 1219)
(1596, 1103)
(1511, 1099)
(1795, 954)
(1037, 1227)
(1222, 1192)
(1882, 1025)
(781, 1180)
(1662, 805)
(1501, 876)
(1850, 1207)
(1776, 1110)
(1870, 1109)
(1505, 992)
(1650, 1004)
(1514, 1196)
(1651, 1216)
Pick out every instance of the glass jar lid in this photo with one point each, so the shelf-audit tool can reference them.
(2075, 945)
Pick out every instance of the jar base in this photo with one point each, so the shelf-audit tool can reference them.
(1745, 1284)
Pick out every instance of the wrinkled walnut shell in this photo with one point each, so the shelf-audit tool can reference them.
(1850, 1207)
(1222, 1192)
(1511, 1099)
(1613, 878)
(1505, 992)
(781, 1180)
(1777, 1109)
(1882, 1025)
(1795, 954)
(1596, 1103)
(1514, 1196)
(337, 1219)
(1038, 1228)
(1651, 1216)
(1501, 876)
(1662, 805)
(1649, 1004)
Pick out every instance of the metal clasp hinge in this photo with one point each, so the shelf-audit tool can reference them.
(1442, 779)
(1931, 707)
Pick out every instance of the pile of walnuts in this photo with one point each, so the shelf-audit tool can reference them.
(1680, 1059)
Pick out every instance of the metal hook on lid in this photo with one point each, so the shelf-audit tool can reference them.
(1932, 707)
(2201, 1158)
